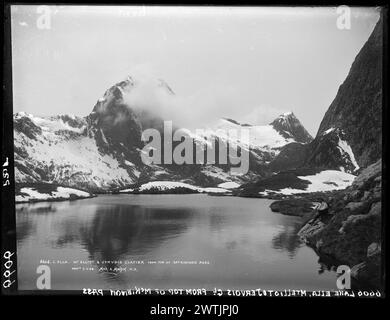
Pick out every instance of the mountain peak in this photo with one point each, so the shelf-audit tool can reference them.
(289, 126)
(287, 114)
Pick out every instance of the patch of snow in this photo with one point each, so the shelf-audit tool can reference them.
(120, 89)
(323, 181)
(103, 137)
(328, 131)
(64, 192)
(78, 157)
(61, 192)
(167, 185)
(344, 147)
(32, 194)
(51, 125)
(259, 136)
(160, 172)
(172, 185)
(137, 173)
(229, 185)
(215, 190)
(129, 163)
(327, 180)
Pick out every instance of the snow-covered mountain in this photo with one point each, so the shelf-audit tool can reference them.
(283, 130)
(289, 127)
(68, 150)
(102, 151)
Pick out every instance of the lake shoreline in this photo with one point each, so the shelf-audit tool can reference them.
(210, 191)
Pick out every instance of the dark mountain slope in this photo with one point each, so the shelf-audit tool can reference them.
(357, 108)
(350, 134)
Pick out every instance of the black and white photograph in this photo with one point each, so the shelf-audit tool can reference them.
(207, 150)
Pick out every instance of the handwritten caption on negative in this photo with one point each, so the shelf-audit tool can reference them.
(236, 293)
(118, 266)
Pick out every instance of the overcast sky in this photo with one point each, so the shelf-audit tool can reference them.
(250, 64)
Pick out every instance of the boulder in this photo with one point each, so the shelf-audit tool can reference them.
(370, 173)
(373, 249)
(376, 208)
(352, 219)
(354, 205)
(311, 228)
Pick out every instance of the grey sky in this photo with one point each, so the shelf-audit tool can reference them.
(250, 64)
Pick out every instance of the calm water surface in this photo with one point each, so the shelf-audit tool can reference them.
(237, 243)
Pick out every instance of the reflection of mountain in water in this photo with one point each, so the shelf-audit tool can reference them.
(24, 229)
(27, 208)
(120, 230)
(244, 242)
(113, 232)
(24, 225)
(288, 240)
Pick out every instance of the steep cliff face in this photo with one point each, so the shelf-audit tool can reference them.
(350, 134)
(331, 150)
(357, 107)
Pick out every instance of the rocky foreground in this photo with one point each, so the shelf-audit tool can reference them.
(350, 231)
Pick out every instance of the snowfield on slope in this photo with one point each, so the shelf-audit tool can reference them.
(229, 185)
(28, 194)
(260, 137)
(263, 138)
(164, 186)
(61, 157)
(54, 123)
(345, 148)
(327, 180)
